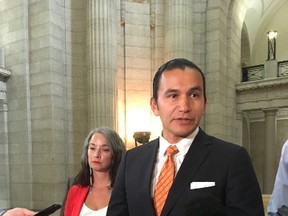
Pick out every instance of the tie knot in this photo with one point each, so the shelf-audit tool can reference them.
(171, 150)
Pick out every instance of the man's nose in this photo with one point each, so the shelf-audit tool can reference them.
(184, 104)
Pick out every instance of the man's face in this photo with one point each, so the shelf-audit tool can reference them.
(180, 103)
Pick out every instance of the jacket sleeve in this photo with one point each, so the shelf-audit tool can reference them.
(75, 199)
(118, 202)
(70, 182)
(243, 195)
(69, 202)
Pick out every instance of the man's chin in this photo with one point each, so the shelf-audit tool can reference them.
(186, 133)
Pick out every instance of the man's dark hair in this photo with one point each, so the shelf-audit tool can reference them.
(180, 63)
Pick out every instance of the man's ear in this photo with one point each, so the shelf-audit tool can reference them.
(204, 110)
(154, 106)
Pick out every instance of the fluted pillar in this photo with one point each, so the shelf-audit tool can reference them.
(178, 29)
(270, 150)
(4, 156)
(101, 63)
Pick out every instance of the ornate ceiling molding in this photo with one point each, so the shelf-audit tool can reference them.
(269, 83)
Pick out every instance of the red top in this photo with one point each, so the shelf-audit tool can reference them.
(75, 200)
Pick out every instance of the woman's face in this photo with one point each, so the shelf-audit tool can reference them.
(100, 156)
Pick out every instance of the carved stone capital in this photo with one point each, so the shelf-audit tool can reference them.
(4, 74)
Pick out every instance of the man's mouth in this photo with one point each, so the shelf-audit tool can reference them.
(184, 120)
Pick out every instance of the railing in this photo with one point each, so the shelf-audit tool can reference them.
(257, 72)
(283, 68)
(253, 73)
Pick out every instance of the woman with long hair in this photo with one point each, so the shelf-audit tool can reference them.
(91, 190)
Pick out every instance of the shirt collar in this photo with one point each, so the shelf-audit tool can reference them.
(183, 145)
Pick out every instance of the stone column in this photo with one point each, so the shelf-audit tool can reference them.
(101, 63)
(178, 29)
(271, 69)
(270, 150)
(4, 153)
(245, 132)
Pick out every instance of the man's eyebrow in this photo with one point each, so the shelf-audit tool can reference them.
(170, 90)
(196, 88)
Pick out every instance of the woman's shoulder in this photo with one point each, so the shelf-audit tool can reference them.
(76, 189)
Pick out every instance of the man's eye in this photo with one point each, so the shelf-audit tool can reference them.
(194, 95)
(172, 96)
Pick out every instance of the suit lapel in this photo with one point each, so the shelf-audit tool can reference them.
(148, 157)
(195, 156)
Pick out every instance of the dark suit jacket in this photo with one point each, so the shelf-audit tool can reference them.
(207, 160)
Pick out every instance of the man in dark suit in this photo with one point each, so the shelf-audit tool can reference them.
(204, 165)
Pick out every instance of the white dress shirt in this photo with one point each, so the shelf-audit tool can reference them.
(183, 146)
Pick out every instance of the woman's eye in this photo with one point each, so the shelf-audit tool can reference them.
(106, 150)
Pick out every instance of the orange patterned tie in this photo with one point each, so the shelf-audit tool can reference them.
(165, 180)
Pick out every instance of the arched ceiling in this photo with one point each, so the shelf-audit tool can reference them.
(263, 16)
(259, 13)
